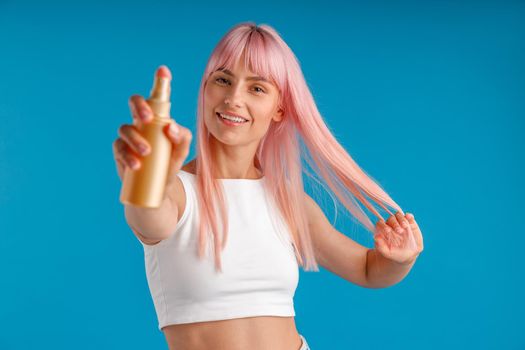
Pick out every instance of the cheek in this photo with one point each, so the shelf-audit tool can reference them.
(213, 94)
(212, 100)
(265, 113)
(262, 123)
(266, 121)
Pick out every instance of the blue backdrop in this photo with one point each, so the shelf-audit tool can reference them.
(428, 97)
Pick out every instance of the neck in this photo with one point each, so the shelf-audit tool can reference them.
(234, 162)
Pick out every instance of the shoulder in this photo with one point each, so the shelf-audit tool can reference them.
(178, 194)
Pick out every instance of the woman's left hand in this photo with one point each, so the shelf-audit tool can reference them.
(399, 239)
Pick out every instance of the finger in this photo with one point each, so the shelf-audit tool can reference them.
(140, 110)
(381, 244)
(388, 233)
(405, 227)
(397, 230)
(174, 131)
(134, 139)
(121, 166)
(392, 221)
(415, 229)
(181, 143)
(118, 148)
(403, 222)
(411, 240)
(120, 163)
(125, 154)
(179, 135)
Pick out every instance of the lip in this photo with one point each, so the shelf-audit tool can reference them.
(227, 122)
(233, 114)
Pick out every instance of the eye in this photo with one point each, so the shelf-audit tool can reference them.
(222, 79)
(261, 90)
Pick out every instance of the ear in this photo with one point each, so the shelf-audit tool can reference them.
(279, 115)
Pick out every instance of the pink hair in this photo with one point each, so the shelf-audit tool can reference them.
(279, 153)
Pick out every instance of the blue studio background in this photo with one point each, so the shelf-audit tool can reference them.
(427, 96)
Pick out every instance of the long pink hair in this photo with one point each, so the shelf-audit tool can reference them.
(279, 153)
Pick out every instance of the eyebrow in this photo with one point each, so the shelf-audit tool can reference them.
(256, 78)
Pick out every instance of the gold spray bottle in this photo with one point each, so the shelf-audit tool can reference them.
(145, 186)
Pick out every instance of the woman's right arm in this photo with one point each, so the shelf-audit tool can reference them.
(152, 224)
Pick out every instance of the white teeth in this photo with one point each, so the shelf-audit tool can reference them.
(232, 118)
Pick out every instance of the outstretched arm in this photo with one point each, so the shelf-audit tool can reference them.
(369, 268)
(333, 250)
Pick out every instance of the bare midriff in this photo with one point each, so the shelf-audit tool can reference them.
(253, 333)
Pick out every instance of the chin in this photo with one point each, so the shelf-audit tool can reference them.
(224, 139)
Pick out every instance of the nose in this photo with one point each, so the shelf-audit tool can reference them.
(233, 97)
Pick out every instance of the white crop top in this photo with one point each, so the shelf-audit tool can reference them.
(259, 268)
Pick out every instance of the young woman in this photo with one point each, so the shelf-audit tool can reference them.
(223, 250)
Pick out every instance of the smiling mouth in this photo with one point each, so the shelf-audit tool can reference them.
(229, 121)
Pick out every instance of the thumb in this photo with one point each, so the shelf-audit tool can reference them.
(181, 142)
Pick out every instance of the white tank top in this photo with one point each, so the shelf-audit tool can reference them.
(260, 270)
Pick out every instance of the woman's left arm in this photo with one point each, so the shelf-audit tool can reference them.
(341, 255)
(397, 244)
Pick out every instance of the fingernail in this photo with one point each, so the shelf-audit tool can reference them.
(142, 149)
(144, 114)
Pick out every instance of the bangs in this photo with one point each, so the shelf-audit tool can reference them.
(261, 55)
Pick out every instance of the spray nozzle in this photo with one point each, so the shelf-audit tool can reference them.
(159, 99)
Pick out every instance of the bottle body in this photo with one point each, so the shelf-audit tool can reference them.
(145, 186)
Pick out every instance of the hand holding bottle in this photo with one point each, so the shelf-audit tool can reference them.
(132, 148)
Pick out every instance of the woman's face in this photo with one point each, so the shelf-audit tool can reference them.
(241, 93)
